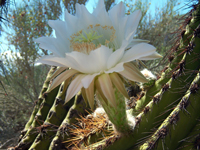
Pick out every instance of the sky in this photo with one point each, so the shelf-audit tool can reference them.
(154, 3)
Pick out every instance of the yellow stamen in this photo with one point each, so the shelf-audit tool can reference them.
(90, 39)
(97, 25)
(91, 26)
(84, 47)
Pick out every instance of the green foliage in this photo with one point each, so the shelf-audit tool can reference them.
(29, 21)
(13, 115)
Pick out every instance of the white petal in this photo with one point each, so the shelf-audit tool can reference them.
(100, 6)
(119, 67)
(95, 62)
(62, 77)
(116, 15)
(101, 56)
(99, 92)
(117, 55)
(85, 17)
(118, 11)
(78, 10)
(132, 73)
(51, 44)
(60, 30)
(60, 61)
(74, 87)
(116, 80)
(84, 95)
(107, 88)
(132, 23)
(80, 61)
(71, 22)
(120, 31)
(88, 79)
(151, 57)
(89, 92)
(57, 72)
(138, 51)
(62, 34)
(101, 14)
(53, 61)
(137, 41)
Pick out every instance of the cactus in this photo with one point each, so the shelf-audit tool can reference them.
(167, 115)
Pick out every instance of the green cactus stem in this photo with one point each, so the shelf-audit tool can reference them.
(184, 124)
(38, 102)
(39, 118)
(78, 109)
(54, 118)
(117, 114)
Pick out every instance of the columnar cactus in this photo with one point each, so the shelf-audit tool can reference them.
(166, 115)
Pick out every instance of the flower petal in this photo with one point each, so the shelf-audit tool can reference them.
(138, 51)
(133, 73)
(116, 80)
(62, 77)
(53, 61)
(57, 72)
(101, 14)
(71, 22)
(107, 88)
(155, 55)
(132, 23)
(85, 17)
(74, 87)
(119, 67)
(99, 92)
(118, 11)
(86, 81)
(137, 41)
(116, 55)
(52, 44)
(60, 31)
(90, 94)
(84, 95)
(100, 5)
(95, 62)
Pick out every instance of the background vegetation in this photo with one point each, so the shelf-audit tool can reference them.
(22, 79)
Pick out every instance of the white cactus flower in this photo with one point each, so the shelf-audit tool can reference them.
(98, 49)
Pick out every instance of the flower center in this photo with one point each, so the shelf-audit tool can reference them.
(92, 38)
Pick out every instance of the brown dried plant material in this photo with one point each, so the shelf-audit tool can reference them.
(87, 127)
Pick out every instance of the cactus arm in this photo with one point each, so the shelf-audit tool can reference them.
(160, 110)
(39, 101)
(39, 118)
(55, 116)
(184, 43)
(63, 134)
(183, 126)
(150, 93)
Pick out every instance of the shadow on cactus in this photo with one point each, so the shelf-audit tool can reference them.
(96, 56)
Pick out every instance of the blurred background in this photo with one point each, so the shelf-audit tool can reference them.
(22, 21)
